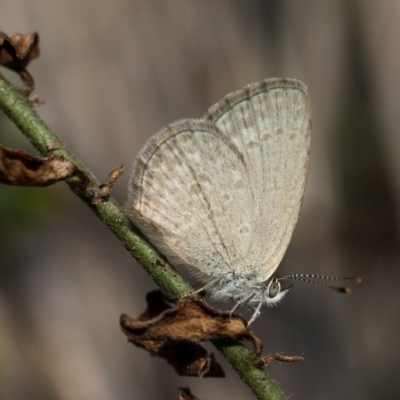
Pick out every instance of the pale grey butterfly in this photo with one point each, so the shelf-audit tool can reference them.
(221, 195)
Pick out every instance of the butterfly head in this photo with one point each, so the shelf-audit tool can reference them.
(273, 293)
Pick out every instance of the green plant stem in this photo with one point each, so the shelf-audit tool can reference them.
(15, 105)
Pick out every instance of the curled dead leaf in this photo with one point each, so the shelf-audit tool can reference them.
(153, 333)
(23, 169)
(174, 332)
(16, 52)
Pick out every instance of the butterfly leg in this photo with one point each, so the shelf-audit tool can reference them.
(256, 313)
(198, 291)
(241, 303)
(203, 288)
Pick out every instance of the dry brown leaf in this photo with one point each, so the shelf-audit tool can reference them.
(190, 320)
(23, 169)
(16, 52)
(152, 333)
(174, 332)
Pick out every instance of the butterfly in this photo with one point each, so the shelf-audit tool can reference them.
(221, 195)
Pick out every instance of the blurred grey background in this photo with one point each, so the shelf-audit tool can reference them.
(112, 73)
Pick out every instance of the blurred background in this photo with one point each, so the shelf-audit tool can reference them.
(112, 74)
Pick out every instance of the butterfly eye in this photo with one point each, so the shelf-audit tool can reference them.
(274, 289)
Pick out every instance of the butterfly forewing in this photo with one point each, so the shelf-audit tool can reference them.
(187, 194)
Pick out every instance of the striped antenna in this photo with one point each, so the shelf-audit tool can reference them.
(308, 279)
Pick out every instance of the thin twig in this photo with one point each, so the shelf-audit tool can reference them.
(17, 108)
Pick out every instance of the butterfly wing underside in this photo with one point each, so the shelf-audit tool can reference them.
(224, 192)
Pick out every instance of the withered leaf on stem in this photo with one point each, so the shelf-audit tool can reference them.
(16, 52)
(151, 332)
(174, 332)
(23, 169)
